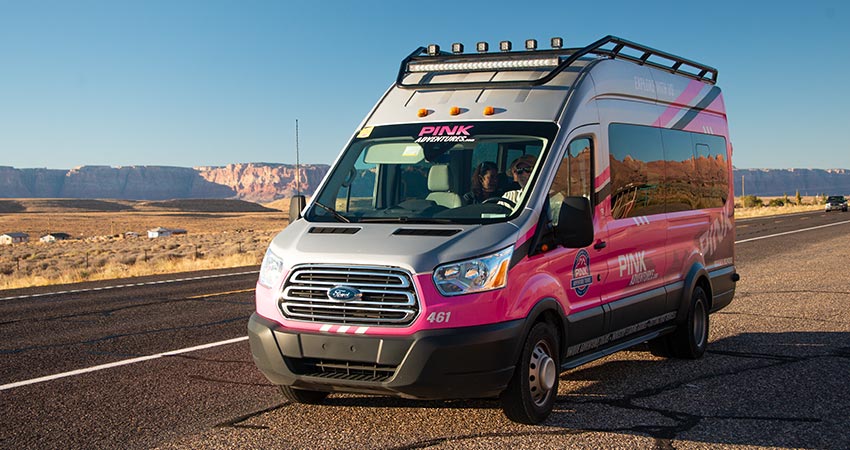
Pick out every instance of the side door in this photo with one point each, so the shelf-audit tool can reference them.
(634, 292)
(582, 271)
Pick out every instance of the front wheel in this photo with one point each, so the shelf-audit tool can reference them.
(302, 396)
(531, 393)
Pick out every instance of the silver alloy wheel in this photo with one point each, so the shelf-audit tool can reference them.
(700, 322)
(542, 373)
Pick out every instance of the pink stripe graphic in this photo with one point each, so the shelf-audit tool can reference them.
(687, 96)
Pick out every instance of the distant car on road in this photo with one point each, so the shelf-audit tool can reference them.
(836, 203)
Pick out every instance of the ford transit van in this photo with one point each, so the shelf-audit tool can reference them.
(500, 217)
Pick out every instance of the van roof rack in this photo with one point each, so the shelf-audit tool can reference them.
(557, 60)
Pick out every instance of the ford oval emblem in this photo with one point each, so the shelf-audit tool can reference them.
(344, 293)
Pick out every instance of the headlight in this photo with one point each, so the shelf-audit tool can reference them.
(474, 275)
(272, 270)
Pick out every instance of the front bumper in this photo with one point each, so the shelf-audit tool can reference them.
(473, 362)
(836, 208)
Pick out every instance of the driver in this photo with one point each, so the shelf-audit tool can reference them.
(485, 184)
(521, 171)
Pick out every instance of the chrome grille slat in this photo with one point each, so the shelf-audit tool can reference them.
(320, 295)
(387, 295)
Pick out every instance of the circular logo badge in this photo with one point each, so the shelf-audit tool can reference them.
(582, 279)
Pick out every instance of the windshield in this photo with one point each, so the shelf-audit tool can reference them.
(833, 198)
(434, 173)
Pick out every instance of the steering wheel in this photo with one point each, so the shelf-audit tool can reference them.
(511, 203)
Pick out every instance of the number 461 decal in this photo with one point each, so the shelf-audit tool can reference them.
(439, 317)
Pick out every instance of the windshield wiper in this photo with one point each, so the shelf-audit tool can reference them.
(333, 212)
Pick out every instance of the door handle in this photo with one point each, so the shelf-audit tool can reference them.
(600, 245)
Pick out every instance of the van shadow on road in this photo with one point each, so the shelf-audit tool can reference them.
(762, 389)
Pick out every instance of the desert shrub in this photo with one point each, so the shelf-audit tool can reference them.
(100, 262)
(776, 202)
(751, 201)
(128, 260)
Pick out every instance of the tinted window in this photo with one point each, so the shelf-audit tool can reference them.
(573, 176)
(655, 170)
(637, 170)
(679, 171)
(711, 175)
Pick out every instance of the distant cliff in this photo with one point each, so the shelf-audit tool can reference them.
(773, 182)
(265, 182)
(254, 182)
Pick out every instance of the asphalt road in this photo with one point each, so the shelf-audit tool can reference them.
(776, 373)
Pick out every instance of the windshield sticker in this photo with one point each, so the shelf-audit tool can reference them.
(582, 279)
(445, 133)
(412, 151)
(365, 132)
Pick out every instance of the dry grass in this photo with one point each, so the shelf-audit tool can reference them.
(221, 234)
(809, 203)
(217, 239)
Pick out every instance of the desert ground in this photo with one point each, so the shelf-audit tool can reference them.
(220, 234)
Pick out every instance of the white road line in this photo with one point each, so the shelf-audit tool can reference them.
(149, 283)
(791, 232)
(119, 363)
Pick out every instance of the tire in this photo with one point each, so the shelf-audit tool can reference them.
(690, 339)
(302, 396)
(531, 393)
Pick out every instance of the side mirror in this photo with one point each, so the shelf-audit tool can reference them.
(296, 205)
(575, 223)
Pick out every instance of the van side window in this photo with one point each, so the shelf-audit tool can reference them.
(654, 170)
(573, 177)
(680, 192)
(637, 170)
(711, 170)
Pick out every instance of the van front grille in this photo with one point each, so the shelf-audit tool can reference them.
(346, 370)
(384, 295)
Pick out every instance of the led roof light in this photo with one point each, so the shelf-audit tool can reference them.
(557, 42)
(472, 66)
(457, 48)
(505, 46)
(433, 49)
(482, 47)
(531, 44)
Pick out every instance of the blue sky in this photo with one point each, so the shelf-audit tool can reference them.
(191, 83)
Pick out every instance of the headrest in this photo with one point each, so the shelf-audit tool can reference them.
(438, 178)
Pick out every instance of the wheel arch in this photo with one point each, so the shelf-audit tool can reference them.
(697, 276)
(550, 311)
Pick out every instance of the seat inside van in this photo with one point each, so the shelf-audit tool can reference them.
(438, 184)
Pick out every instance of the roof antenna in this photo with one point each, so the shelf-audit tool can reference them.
(297, 163)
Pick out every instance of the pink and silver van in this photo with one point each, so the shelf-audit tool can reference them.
(500, 217)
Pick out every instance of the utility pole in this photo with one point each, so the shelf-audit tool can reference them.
(742, 187)
(297, 163)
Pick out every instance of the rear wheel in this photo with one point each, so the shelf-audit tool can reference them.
(690, 339)
(531, 393)
(302, 396)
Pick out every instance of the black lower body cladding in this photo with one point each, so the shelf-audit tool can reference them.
(470, 362)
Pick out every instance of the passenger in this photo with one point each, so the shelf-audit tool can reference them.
(521, 171)
(485, 184)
